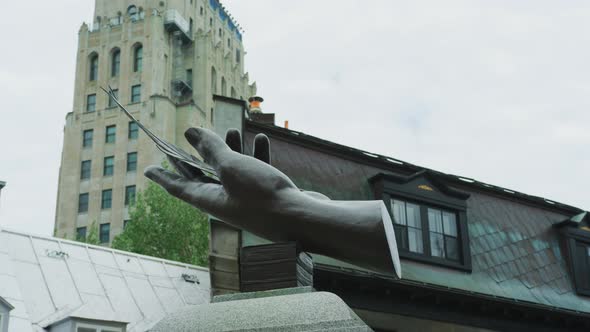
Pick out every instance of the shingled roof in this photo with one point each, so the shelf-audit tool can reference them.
(48, 280)
(515, 251)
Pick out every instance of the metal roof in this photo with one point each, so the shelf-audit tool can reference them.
(515, 249)
(48, 280)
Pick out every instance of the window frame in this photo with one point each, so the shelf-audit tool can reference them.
(78, 237)
(134, 163)
(132, 128)
(138, 58)
(92, 97)
(103, 205)
(135, 100)
(112, 103)
(93, 68)
(128, 190)
(84, 140)
(89, 170)
(116, 62)
(100, 232)
(579, 271)
(97, 327)
(87, 195)
(108, 136)
(407, 189)
(111, 167)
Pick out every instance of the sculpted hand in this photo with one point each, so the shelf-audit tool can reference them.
(259, 198)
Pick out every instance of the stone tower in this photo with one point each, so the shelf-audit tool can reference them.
(165, 59)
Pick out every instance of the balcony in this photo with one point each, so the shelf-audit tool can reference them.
(181, 87)
(173, 22)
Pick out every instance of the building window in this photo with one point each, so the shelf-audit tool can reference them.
(189, 77)
(577, 238)
(125, 223)
(93, 75)
(81, 233)
(105, 233)
(109, 166)
(111, 133)
(133, 13)
(136, 93)
(133, 130)
(219, 32)
(223, 87)
(112, 100)
(238, 56)
(106, 199)
(87, 138)
(138, 59)
(213, 80)
(129, 195)
(85, 327)
(116, 62)
(85, 170)
(233, 92)
(132, 162)
(429, 220)
(201, 11)
(83, 203)
(91, 103)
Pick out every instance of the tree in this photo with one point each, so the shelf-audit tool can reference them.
(166, 227)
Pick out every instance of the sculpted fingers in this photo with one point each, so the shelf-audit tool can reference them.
(184, 169)
(233, 139)
(173, 183)
(210, 146)
(262, 148)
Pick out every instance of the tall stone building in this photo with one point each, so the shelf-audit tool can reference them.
(165, 59)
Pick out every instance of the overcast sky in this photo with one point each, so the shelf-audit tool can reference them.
(498, 91)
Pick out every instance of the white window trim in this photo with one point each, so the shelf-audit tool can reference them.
(98, 328)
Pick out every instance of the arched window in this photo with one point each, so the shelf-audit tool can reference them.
(133, 13)
(138, 58)
(115, 62)
(233, 93)
(93, 75)
(213, 80)
(223, 87)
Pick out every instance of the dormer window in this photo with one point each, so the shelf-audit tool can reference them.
(429, 218)
(576, 232)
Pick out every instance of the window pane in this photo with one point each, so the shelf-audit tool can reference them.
(111, 100)
(452, 248)
(136, 93)
(138, 59)
(131, 162)
(413, 215)
(129, 194)
(85, 170)
(399, 212)
(107, 199)
(133, 130)
(401, 236)
(434, 220)
(437, 247)
(116, 65)
(91, 103)
(105, 233)
(415, 240)
(87, 138)
(81, 233)
(110, 134)
(83, 203)
(109, 166)
(85, 329)
(449, 223)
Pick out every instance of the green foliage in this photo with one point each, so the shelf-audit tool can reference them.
(166, 227)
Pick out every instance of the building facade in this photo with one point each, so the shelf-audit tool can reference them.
(165, 60)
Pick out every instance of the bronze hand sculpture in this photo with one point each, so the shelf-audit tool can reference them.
(259, 198)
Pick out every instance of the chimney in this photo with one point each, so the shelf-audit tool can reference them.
(255, 104)
(256, 114)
